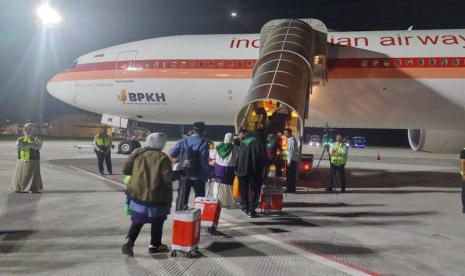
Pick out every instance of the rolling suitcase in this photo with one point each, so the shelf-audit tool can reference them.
(186, 232)
(210, 212)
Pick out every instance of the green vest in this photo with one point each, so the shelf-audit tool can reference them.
(25, 152)
(338, 160)
(101, 142)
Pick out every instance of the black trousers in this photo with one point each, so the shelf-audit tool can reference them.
(185, 189)
(156, 232)
(342, 175)
(291, 175)
(254, 185)
(104, 157)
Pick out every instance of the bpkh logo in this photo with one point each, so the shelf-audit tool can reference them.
(141, 98)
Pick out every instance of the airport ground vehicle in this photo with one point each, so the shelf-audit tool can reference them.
(315, 141)
(358, 142)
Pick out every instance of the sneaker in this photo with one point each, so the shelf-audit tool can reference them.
(157, 249)
(245, 212)
(127, 250)
(253, 214)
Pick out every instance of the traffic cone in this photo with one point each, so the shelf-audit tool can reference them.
(378, 157)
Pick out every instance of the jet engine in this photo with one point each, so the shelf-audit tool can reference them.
(436, 140)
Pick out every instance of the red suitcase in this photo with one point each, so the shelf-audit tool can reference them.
(211, 210)
(186, 232)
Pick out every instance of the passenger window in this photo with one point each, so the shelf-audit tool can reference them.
(240, 64)
(364, 63)
(386, 63)
(250, 64)
(229, 64)
(432, 62)
(183, 64)
(202, 64)
(375, 63)
(164, 64)
(211, 64)
(456, 62)
(156, 64)
(192, 64)
(444, 62)
(146, 64)
(174, 64)
(220, 64)
(421, 62)
(398, 62)
(409, 62)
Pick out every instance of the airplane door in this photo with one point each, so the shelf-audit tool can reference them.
(125, 66)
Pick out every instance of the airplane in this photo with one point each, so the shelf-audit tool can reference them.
(411, 79)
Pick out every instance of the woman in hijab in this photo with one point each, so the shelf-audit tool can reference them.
(149, 192)
(27, 176)
(225, 155)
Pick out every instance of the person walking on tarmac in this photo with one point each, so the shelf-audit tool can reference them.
(250, 170)
(292, 153)
(102, 148)
(462, 172)
(338, 153)
(149, 192)
(192, 153)
(27, 176)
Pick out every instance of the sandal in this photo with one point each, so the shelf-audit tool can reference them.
(157, 249)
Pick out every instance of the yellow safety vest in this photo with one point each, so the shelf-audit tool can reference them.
(101, 142)
(338, 160)
(25, 152)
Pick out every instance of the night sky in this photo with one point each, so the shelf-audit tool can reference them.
(30, 57)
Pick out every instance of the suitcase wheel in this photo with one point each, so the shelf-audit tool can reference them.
(211, 229)
(174, 253)
(191, 254)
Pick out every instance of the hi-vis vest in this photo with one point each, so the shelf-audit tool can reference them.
(101, 142)
(27, 153)
(339, 160)
(295, 156)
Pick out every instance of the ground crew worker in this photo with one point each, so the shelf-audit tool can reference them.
(27, 176)
(462, 172)
(338, 153)
(102, 148)
(292, 158)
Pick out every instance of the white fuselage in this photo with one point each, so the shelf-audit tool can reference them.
(389, 79)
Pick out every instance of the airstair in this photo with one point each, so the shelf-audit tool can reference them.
(292, 60)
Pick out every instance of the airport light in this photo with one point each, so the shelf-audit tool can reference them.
(47, 16)
(233, 14)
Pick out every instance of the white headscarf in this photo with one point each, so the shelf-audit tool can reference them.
(156, 140)
(228, 138)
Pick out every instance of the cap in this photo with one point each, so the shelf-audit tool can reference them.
(199, 126)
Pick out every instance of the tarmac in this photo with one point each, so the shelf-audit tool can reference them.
(402, 215)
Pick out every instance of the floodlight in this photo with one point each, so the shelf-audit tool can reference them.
(48, 16)
(233, 14)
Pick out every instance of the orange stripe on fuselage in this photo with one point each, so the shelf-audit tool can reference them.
(334, 73)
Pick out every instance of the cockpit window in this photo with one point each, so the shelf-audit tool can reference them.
(73, 65)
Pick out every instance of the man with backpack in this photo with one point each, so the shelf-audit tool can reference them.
(192, 152)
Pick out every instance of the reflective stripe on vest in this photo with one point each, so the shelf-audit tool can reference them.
(27, 153)
(338, 160)
(101, 142)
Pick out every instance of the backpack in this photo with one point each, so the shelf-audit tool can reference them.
(190, 159)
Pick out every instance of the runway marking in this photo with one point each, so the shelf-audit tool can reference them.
(320, 258)
(98, 176)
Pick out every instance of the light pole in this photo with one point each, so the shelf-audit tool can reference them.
(47, 18)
